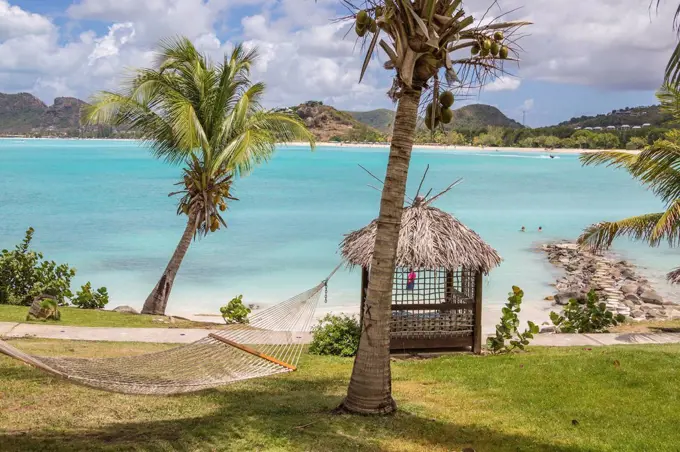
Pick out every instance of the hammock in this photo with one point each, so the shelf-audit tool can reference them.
(271, 343)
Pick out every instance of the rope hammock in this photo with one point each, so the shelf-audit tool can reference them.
(271, 343)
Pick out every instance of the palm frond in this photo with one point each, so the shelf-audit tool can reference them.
(601, 235)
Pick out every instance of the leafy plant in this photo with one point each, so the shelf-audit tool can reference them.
(24, 275)
(87, 299)
(508, 338)
(336, 335)
(235, 311)
(585, 317)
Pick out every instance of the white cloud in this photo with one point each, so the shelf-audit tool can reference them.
(527, 105)
(615, 44)
(503, 83)
(15, 22)
(109, 45)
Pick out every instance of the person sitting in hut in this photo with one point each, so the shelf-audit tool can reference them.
(411, 279)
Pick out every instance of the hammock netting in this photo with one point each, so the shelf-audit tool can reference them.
(271, 343)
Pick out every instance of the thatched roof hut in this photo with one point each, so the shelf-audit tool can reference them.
(429, 238)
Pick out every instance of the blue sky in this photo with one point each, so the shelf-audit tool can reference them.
(581, 56)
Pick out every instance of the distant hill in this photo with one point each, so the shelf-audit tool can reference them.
(24, 113)
(635, 116)
(380, 119)
(477, 116)
(329, 124)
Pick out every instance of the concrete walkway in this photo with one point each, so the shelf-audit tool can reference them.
(186, 335)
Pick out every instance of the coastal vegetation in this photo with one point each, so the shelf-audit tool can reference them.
(447, 403)
(206, 117)
(25, 275)
(657, 167)
(423, 42)
(508, 337)
(336, 335)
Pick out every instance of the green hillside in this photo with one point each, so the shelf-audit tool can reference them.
(635, 116)
(380, 119)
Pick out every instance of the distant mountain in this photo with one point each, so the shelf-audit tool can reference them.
(474, 116)
(329, 124)
(635, 116)
(477, 116)
(380, 119)
(24, 113)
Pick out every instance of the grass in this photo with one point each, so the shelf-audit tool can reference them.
(521, 402)
(93, 317)
(665, 326)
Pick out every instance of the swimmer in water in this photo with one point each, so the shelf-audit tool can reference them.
(523, 229)
(540, 228)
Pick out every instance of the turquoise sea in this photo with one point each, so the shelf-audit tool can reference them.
(103, 207)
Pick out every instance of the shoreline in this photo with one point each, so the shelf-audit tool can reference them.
(333, 144)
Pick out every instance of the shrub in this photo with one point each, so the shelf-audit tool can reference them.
(507, 330)
(587, 316)
(235, 311)
(48, 310)
(87, 299)
(336, 335)
(24, 275)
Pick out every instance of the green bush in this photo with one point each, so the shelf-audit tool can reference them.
(235, 311)
(87, 299)
(508, 338)
(588, 316)
(336, 335)
(24, 275)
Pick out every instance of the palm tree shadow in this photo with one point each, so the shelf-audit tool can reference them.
(288, 414)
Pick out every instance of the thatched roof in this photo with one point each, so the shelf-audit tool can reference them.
(429, 238)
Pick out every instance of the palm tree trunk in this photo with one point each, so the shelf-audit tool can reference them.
(370, 389)
(158, 298)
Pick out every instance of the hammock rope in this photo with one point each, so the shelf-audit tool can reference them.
(271, 343)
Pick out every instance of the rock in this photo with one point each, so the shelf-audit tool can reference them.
(634, 298)
(125, 309)
(629, 288)
(547, 329)
(669, 303)
(649, 296)
(637, 314)
(628, 273)
(628, 304)
(563, 298)
(549, 298)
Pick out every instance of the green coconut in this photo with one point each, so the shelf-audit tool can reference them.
(446, 99)
(485, 52)
(373, 26)
(503, 53)
(378, 11)
(363, 18)
(495, 48)
(429, 125)
(360, 29)
(431, 107)
(486, 44)
(447, 115)
(498, 36)
(475, 49)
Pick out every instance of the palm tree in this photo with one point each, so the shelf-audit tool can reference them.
(206, 117)
(672, 75)
(657, 167)
(425, 39)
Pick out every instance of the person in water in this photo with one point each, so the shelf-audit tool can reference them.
(411, 279)
(540, 229)
(523, 229)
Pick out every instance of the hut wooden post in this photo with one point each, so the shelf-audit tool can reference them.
(477, 347)
(364, 288)
(449, 287)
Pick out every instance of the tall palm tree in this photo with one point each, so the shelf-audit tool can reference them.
(672, 74)
(424, 39)
(657, 167)
(206, 117)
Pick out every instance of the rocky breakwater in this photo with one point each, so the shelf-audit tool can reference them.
(615, 282)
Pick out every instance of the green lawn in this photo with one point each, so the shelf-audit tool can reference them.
(93, 317)
(510, 403)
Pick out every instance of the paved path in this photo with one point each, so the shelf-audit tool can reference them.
(186, 335)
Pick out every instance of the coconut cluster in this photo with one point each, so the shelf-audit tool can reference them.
(493, 46)
(365, 23)
(439, 112)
